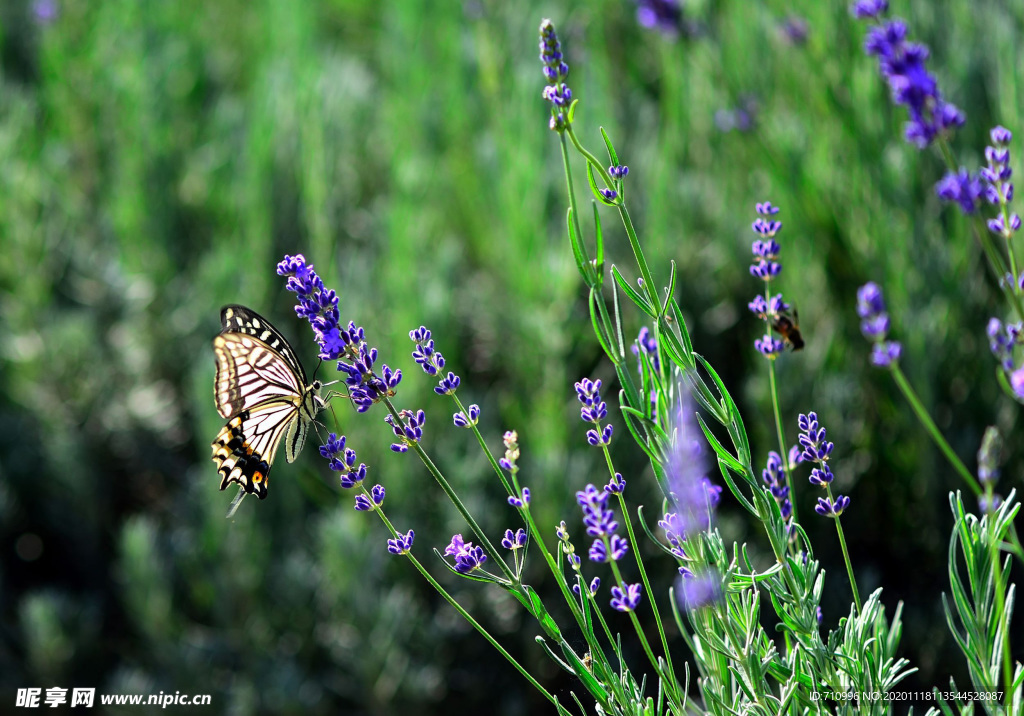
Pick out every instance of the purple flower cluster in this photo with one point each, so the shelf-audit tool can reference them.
(409, 430)
(468, 418)
(766, 267)
(1002, 339)
(648, 345)
(692, 494)
(592, 588)
(665, 16)
(555, 70)
(511, 456)
(467, 557)
(432, 361)
(567, 546)
(599, 520)
(766, 249)
(999, 188)
(514, 540)
(594, 410)
(960, 186)
(626, 598)
(774, 476)
(902, 64)
(988, 469)
(402, 543)
(365, 503)
(874, 324)
(317, 304)
(343, 460)
(698, 591)
(346, 345)
(817, 449)
(522, 501)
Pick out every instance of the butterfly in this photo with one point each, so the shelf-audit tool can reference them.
(262, 390)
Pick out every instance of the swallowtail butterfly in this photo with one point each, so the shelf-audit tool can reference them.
(262, 390)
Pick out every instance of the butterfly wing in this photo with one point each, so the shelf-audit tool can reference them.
(245, 447)
(239, 319)
(261, 388)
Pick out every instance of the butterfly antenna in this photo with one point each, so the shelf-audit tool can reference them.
(316, 370)
(235, 503)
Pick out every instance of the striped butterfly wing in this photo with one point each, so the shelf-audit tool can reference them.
(244, 449)
(261, 387)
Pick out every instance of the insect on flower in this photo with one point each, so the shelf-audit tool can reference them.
(789, 329)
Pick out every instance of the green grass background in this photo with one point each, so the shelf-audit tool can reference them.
(158, 158)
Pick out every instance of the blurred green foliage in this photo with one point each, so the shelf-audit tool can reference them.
(158, 158)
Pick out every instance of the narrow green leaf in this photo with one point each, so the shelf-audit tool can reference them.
(737, 430)
(670, 292)
(641, 302)
(599, 244)
(579, 253)
(611, 149)
(594, 686)
(571, 115)
(599, 327)
(719, 449)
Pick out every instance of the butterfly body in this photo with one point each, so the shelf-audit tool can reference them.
(262, 390)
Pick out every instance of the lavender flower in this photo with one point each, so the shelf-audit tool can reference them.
(522, 501)
(402, 543)
(999, 188)
(467, 557)
(870, 9)
(508, 462)
(45, 11)
(902, 65)
(409, 431)
(774, 476)
(691, 493)
(1002, 339)
(962, 187)
(1017, 382)
(988, 457)
(818, 450)
(794, 30)
(594, 410)
(626, 598)
(595, 584)
(648, 345)
(617, 485)
(365, 503)
(598, 518)
(514, 540)
(317, 304)
(827, 507)
(342, 459)
(769, 346)
(347, 345)
(555, 70)
(875, 325)
(467, 419)
(698, 591)
(665, 16)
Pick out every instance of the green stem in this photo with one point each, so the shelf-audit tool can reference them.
(846, 555)
(933, 430)
(481, 536)
(783, 453)
(997, 575)
(643, 573)
(468, 617)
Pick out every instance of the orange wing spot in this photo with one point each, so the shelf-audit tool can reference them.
(257, 477)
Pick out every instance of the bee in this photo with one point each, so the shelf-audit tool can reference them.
(789, 329)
